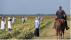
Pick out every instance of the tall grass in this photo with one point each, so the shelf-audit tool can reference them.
(24, 31)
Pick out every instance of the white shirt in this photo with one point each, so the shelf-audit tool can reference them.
(2, 25)
(23, 19)
(37, 23)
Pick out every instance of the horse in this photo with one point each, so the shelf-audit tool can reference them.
(59, 27)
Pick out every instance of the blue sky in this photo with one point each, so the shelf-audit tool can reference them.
(33, 6)
(70, 7)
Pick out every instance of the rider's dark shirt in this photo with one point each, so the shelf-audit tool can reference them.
(60, 14)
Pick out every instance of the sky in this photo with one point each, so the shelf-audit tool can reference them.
(33, 6)
(70, 7)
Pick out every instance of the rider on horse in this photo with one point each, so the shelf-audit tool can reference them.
(62, 15)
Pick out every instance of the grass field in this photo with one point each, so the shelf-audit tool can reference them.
(26, 30)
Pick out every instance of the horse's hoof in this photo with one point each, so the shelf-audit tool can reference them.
(62, 37)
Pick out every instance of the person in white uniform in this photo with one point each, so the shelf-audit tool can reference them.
(13, 20)
(37, 25)
(23, 19)
(41, 18)
(9, 23)
(3, 24)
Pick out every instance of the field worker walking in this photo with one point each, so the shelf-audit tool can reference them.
(41, 18)
(3, 23)
(13, 20)
(37, 25)
(23, 19)
(9, 24)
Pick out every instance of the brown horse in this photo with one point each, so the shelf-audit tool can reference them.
(59, 27)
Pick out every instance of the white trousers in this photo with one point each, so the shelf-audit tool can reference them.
(9, 25)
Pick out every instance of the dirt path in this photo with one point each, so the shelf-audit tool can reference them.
(49, 33)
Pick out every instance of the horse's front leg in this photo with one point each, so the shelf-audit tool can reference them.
(62, 34)
(56, 32)
(59, 34)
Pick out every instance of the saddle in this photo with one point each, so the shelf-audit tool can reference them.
(61, 21)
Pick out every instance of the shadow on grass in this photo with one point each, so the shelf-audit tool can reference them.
(26, 36)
